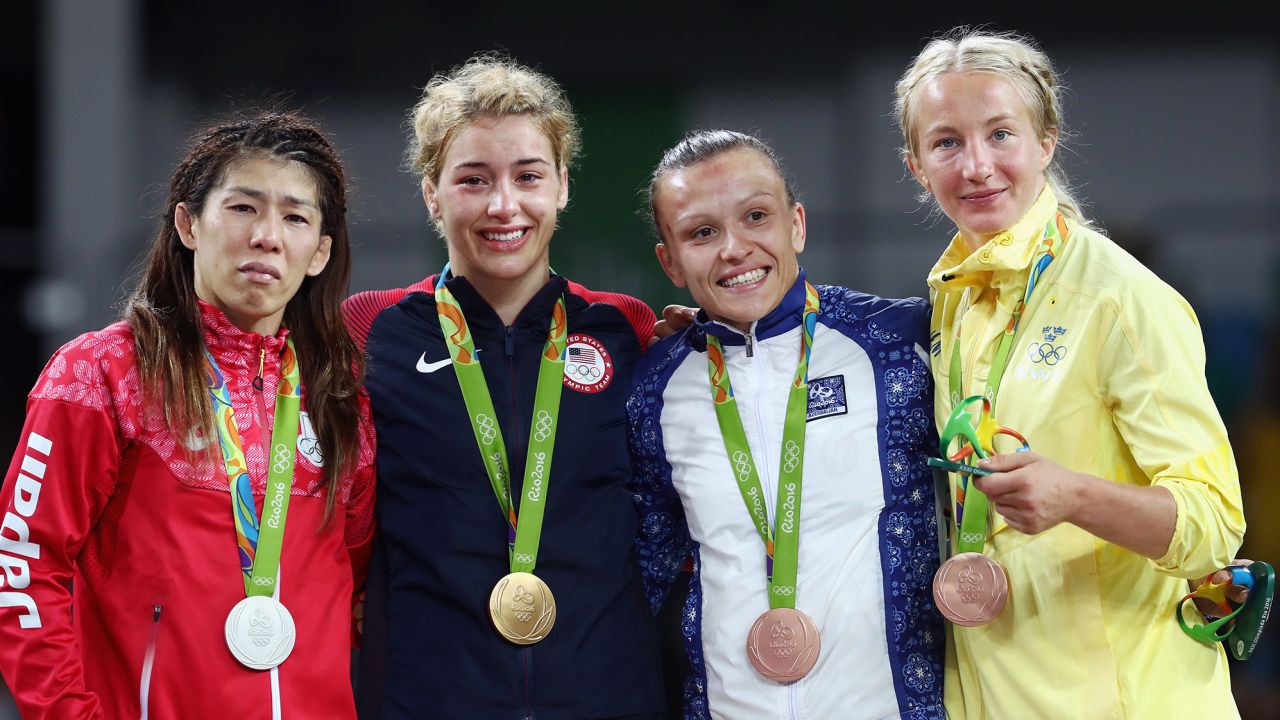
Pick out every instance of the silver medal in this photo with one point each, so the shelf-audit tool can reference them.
(260, 632)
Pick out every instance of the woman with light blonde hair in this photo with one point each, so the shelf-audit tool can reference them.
(505, 583)
(1131, 487)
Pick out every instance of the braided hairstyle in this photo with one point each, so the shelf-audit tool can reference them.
(1010, 56)
(162, 308)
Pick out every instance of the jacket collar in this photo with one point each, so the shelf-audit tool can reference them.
(782, 318)
(1003, 262)
(224, 338)
(532, 316)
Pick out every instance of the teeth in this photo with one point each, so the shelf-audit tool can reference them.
(504, 237)
(744, 278)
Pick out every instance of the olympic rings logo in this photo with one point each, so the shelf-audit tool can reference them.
(971, 537)
(523, 557)
(488, 430)
(257, 580)
(784, 590)
(791, 456)
(282, 459)
(1046, 353)
(583, 373)
(542, 426)
(742, 465)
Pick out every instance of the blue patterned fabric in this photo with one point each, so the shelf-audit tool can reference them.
(888, 332)
(908, 525)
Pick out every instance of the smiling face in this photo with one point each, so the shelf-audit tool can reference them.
(977, 152)
(730, 235)
(497, 199)
(255, 240)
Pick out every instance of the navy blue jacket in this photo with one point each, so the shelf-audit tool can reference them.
(430, 650)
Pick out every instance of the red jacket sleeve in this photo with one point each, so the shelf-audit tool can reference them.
(57, 486)
(359, 518)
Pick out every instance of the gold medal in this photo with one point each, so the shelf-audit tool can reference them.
(522, 608)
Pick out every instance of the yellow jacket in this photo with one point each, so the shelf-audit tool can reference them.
(1106, 377)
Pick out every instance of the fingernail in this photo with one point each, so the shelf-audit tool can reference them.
(984, 462)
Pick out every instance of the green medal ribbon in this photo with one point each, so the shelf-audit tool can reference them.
(971, 503)
(259, 541)
(782, 543)
(525, 535)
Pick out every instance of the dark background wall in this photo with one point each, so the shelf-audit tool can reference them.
(1175, 150)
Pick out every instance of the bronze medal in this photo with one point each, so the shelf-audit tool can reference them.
(970, 589)
(783, 645)
(522, 608)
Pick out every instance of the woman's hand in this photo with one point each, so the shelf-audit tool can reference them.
(1031, 492)
(674, 319)
(1034, 493)
(1235, 593)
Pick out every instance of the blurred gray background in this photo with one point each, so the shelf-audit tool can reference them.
(1176, 152)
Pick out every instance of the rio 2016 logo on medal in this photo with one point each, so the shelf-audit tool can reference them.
(783, 645)
(588, 367)
(970, 589)
(522, 608)
(260, 632)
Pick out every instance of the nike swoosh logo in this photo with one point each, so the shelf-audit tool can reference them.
(430, 367)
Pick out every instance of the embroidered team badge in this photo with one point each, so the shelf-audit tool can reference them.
(1051, 351)
(308, 442)
(588, 368)
(826, 397)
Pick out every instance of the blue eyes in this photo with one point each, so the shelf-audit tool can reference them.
(949, 143)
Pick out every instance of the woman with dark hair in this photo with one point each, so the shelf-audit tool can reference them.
(217, 392)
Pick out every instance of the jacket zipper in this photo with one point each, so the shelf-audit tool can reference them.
(262, 361)
(761, 458)
(765, 472)
(526, 653)
(264, 419)
(148, 662)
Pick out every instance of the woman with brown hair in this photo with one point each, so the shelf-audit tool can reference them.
(163, 455)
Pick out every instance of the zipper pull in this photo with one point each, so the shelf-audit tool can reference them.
(511, 341)
(751, 344)
(262, 361)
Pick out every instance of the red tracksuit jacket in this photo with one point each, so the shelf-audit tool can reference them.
(104, 512)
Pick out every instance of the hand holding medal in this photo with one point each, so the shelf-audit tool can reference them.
(1236, 621)
(970, 588)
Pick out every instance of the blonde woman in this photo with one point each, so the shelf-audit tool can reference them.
(1131, 487)
(506, 584)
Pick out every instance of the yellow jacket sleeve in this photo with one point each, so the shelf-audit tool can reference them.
(1151, 377)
